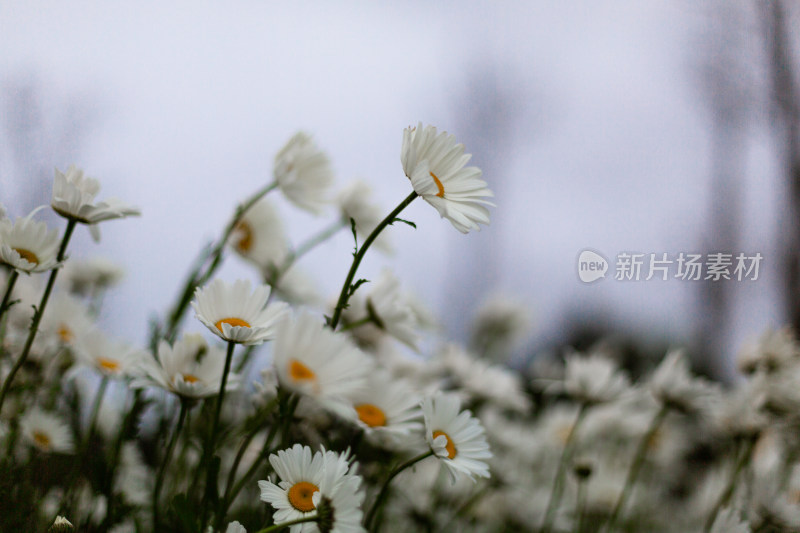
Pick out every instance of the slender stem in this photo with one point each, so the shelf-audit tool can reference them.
(98, 399)
(306, 247)
(382, 494)
(636, 466)
(558, 482)
(580, 506)
(167, 457)
(12, 279)
(214, 259)
(210, 443)
(744, 455)
(341, 304)
(357, 323)
(252, 470)
(37, 316)
(278, 527)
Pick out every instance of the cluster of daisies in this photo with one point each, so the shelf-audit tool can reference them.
(349, 413)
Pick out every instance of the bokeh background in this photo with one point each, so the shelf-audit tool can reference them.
(659, 126)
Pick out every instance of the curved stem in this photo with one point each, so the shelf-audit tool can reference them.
(353, 325)
(12, 280)
(744, 455)
(214, 259)
(252, 470)
(306, 247)
(278, 527)
(167, 457)
(37, 316)
(345, 294)
(558, 482)
(636, 466)
(382, 494)
(98, 399)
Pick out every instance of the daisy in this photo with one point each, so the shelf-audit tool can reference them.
(771, 352)
(303, 173)
(73, 198)
(259, 236)
(387, 409)
(189, 368)
(85, 276)
(237, 314)
(27, 245)
(311, 359)
(673, 385)
(48, 433)
(387, 307)
(455, 436)
(109, 357)
(435, 165)
(61, 525)
(593, 379)
(67, 317)
(339, 502)
(302, 477)
(235, 527)
(354, 203)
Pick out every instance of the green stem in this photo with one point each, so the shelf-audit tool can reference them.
(12, 279)
(37, 316)
(278, 527)
(345, 294)
(357, 323)
(558, 482)
(306, 247)
(98, 399)
(211, 442)
(636, 466)
(580, 506)
(252, 470)
(167, 457)
(384, 489)
(214, 258)
(743, 459)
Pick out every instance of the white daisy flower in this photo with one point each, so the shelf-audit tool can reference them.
(593, 379)
(499, 327)
(73, 198)
(673, 384)
(435, 165)
(728, 521)
(311, 359)
(110, 357)
(455, 436)
(67, 317)
(389, 311)
(302, 477)
(354, 202)
(771, 352)
(235, 527)
(339, 502)
(61, 525)
(46, 432)
(84, 276)
(189, 368)
(259, 237)
(237, 314)
(303, 173)
(27, 245)
(388, 410)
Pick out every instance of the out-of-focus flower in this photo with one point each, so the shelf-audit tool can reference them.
(27, 245)
(435, 165)
(109, 357)
(498, 328)
(594, 379)
(259, 237)
(311, 359)
(84, 276)
(235, 527)
(61, 525)
(388, 310)
(728, 521)
(235, 313)
(354, 202)
(47, 432)
(67, 317)
(771, 352)
(303, 173)
(189, 368)
(673, 385)
(73, 198)
(456, 437)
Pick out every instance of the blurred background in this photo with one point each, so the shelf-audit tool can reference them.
(624, 126)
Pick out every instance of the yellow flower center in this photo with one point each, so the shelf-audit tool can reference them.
(451, 448)
(440, 194)
(109, 365)
(371, 415)
(27, 255)
(42, 440)
(65, 334)
(301, 496)
(300, 372)
(245, 242)
(232, 321)
(189, 378)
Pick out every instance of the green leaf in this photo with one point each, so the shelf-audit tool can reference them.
(354, 287)
(404, 221)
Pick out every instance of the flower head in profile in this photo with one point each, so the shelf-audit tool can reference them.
(236, 313)
(73, 198)
(594, 379)
(355, 203)
(673, 385)
(108, 356)
(303, 173)
(455, 437)
(259, 236)
(435, 165)
(46, 432)
(27, 245)
(190, 368)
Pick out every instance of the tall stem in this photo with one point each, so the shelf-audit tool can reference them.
(98, 399)
(382, 494)
(636, 466)
(744, 455)
(12, 279)
(196, 278)
(558, 482)
(278, 527)
(167, 457)
(341, 304)
(37, 316)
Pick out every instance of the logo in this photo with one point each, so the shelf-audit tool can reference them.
(591, 266)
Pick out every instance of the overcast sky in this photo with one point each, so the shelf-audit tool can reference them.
(603, 140)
